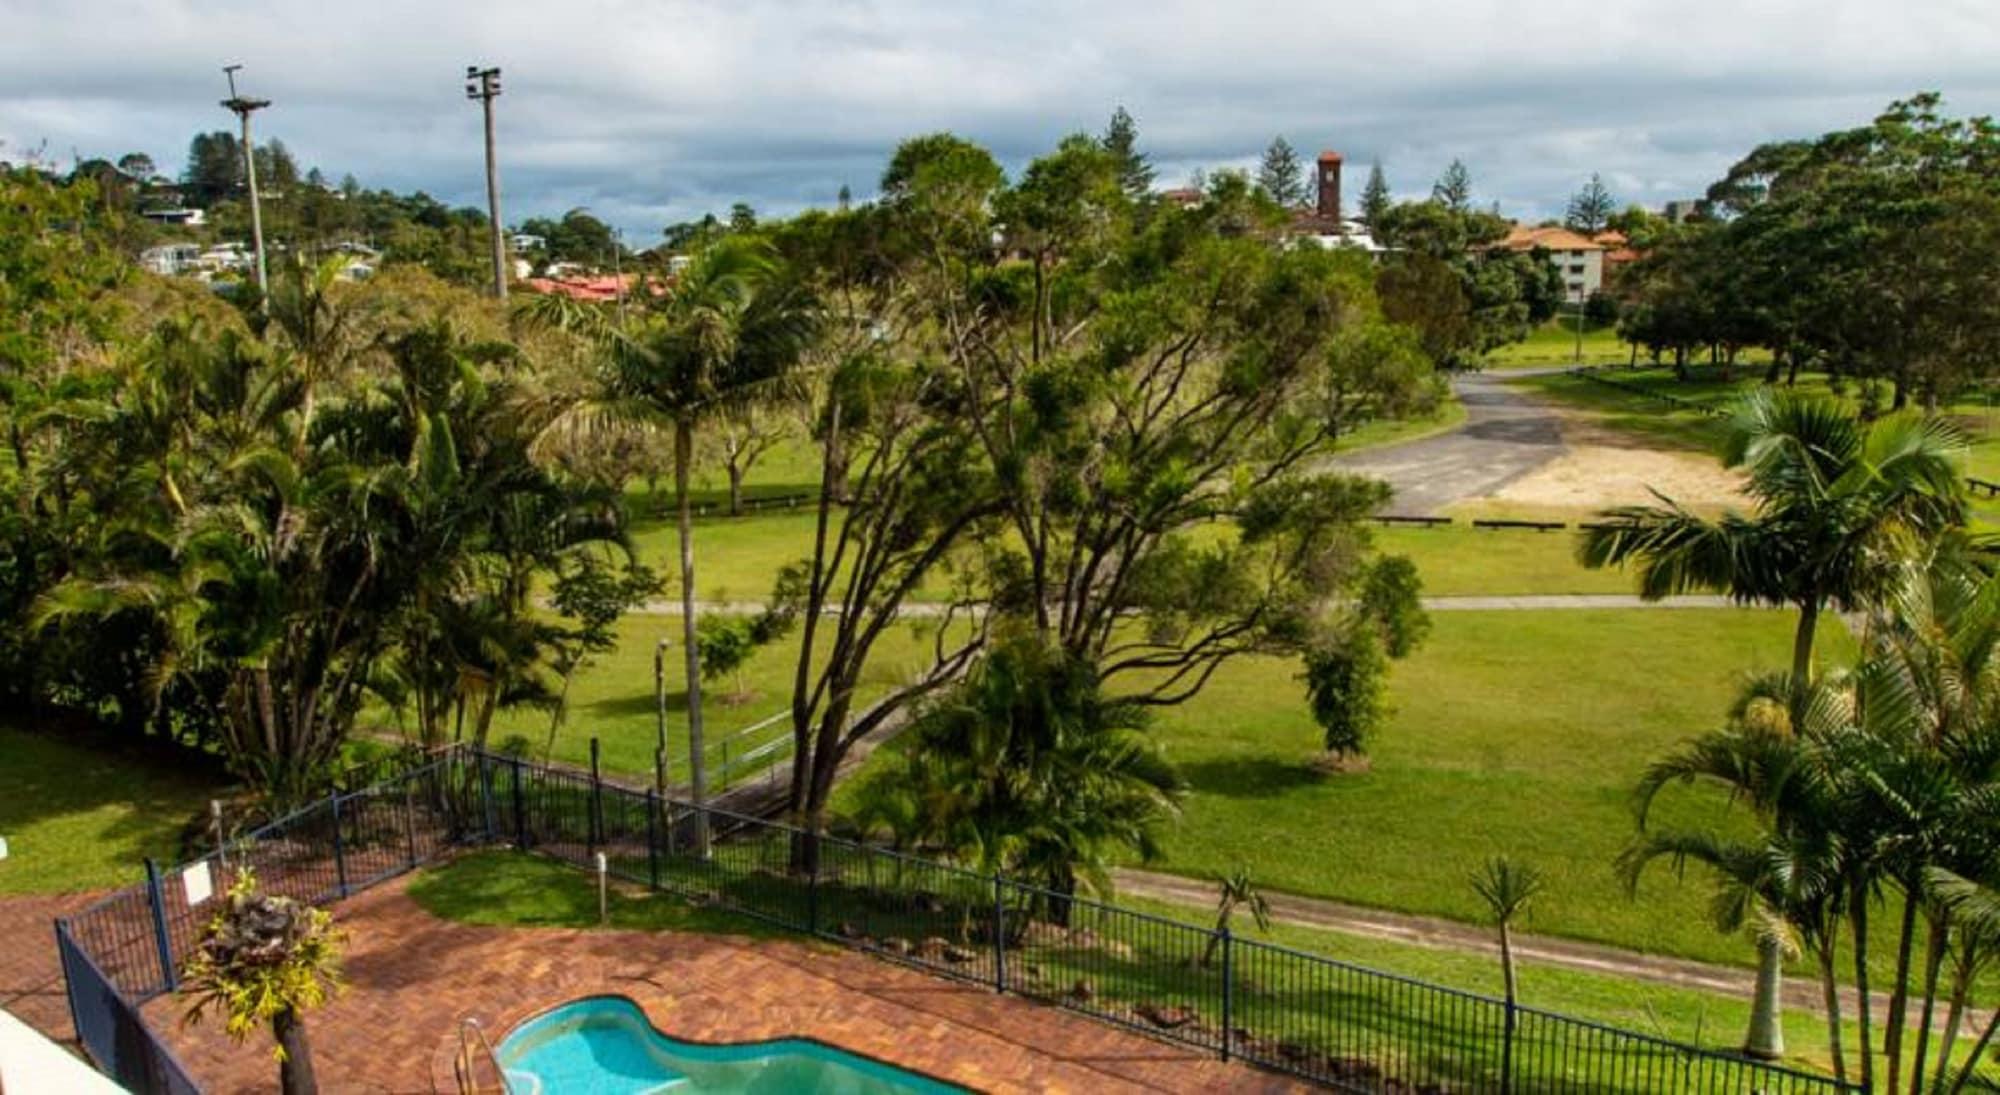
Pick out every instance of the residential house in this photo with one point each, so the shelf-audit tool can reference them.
(190, 218)
(170, 259)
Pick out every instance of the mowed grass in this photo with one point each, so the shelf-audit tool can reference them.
(613, 699)
(1459, 560)
(1516, 733)
(83, 815)
(1555, 343)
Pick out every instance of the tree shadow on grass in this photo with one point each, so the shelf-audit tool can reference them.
(1250, 776)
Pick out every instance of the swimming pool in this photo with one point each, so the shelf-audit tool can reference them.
(604, 1045)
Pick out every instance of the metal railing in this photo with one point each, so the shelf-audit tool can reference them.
(1319, 1019)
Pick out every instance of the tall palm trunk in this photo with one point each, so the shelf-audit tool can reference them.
(1972, 1059)
(1829, 987)
(1954, 1022)
(1802, 649)
(683, 456)
(1766, 1038)
(1934, 948)
(1899, 993)
(1857, 915)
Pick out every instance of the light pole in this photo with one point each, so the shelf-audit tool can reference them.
(243, 107)
(483, 84)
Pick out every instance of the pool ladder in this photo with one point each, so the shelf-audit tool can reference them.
(472, 1036)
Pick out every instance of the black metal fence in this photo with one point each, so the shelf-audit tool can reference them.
(1330, 1022)
(130, 946)
(1322, 1020)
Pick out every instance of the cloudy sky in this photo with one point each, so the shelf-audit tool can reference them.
(652, 111)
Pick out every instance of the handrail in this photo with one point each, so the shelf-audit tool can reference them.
(468, 1080)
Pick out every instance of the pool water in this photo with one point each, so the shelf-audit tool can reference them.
(603, 1045)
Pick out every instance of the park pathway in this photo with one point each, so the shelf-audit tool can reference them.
(1522, 602)
(1505, 436)
(1801, 992)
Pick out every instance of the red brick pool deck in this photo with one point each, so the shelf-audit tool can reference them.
(412, 977)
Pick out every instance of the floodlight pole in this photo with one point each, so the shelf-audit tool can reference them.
(243, 107)
(483, 84)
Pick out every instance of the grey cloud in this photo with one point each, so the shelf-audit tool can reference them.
(649, 112)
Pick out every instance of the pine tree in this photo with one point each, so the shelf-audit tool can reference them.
(1279, 176)
(1374, 197)
(1453, 190)
(1121, 139)
(1591, 208)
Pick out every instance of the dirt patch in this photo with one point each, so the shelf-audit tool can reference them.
(1604, 467)
(1592, 476)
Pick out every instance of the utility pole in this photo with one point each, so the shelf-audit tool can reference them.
(243, 107)
(486, 89)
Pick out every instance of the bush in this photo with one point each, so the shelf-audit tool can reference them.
(1347, 683)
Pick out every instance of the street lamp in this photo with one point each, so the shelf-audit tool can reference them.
(483, 84)
(243, 107)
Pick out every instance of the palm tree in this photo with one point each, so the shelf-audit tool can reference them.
(1028, 767)
(1976, 909)
(728, 335)
(1838, 504)
(1235, 890)
(264, 959)
(1507, 888)
(1793, 873)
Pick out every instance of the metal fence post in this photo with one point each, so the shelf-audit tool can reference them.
(812, 892)
(339, 852)
(999, 934)
(486, 795)
(595, 822)
(410, 820)
(653, 836)
(1228, 989)
(520, 813)
(156, 895)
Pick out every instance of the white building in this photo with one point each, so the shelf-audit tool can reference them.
(170, 259)
(1577, 257)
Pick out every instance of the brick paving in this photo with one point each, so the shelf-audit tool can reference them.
(411, 978)
(31, 985)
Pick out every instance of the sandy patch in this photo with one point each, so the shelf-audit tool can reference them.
(1593, 476)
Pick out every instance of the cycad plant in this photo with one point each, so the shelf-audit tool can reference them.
(264, 961)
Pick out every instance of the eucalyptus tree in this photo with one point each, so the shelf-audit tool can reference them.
(1838, 504)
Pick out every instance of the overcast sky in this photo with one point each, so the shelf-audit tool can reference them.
(653, 111)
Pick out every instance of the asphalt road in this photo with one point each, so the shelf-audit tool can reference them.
(1506, 435)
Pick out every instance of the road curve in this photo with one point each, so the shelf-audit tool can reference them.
(1506, 435)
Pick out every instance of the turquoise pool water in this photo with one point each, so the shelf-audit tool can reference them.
(603, 1045)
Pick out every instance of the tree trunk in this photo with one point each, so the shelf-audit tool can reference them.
(1829, 986)
(698, 775)
(1777, 366)
(1899, 993)
(1802, 651)
(735, 489)
(295, 1068)
(1934, 947)
(1766, 1039)
(1961, 992)
(1971, 1065)
(1857, 918)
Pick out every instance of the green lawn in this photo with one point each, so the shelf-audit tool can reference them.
(1459, 560)
(505, 888)
(613, 699)
(82, 816)
(1514, 732)
(1555, 343)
